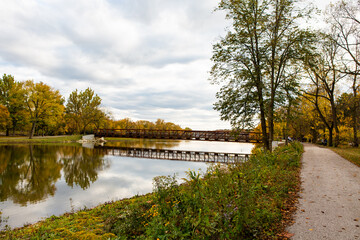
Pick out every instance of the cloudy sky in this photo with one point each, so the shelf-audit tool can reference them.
(146, 59)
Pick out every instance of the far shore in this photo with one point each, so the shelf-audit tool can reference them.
(39, 139)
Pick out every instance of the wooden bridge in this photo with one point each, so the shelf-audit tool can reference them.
(181, 134)
(179, 155)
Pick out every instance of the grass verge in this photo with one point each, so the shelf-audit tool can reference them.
(350, 153)
(244, 201)
(49, 139)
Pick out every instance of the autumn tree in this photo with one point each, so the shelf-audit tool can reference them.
(83, 108)
(160, 124)
(43, 103)
(4, 117)
(144, 124)
(12, 97)
(252, 59)
(324, 71)
(346, 103)
(343, 19)
(125, 123)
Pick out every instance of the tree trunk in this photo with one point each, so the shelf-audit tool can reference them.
(271, 124)
(7, 132)
(354, 115)
(330, 143)
(337, 136)
(32, 131)
(356, 140)
(265, 137)
(335, 123)
(288, 112)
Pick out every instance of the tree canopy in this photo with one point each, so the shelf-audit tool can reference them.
(37, 108)
(83, 109)
(43, 103)
(12, 98)
(255, 59)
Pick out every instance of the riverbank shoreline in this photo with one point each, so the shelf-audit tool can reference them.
(172, 209)
(40, 139)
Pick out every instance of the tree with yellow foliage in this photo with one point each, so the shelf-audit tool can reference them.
(43, 103)
(4, 117)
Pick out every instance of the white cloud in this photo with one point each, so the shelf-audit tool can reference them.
(146, 59)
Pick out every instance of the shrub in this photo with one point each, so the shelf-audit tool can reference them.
(243, 200)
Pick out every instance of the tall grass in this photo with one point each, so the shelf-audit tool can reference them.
(242, 201)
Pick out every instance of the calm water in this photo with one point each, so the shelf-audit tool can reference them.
(37, 181)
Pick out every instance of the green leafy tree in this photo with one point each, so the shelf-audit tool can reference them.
(253, 58)
(43, 103)
(12, 97)
(83, 109)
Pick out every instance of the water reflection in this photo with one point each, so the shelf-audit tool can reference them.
(145, 143)
(28, 173)
(38, 181)
(81, 165)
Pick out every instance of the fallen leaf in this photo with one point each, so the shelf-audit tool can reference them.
(288, 235)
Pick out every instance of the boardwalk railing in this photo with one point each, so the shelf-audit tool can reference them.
(179, 155)
(180, 134)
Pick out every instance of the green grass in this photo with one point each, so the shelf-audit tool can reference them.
(50, 139)
(350, 153)
(242, 201)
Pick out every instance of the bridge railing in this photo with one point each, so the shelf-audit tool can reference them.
(179, 155)
(181, 134)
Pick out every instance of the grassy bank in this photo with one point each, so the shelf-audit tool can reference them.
(350, 153)
(40, 140)
(244, 201)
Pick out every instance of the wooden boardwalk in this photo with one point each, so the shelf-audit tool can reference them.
(179, 155)
(181, 134)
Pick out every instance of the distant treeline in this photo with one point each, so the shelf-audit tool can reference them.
(37, 109)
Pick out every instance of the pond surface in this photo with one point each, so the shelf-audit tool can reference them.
(37, 181)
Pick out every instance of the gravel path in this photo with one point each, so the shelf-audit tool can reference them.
(329, 204)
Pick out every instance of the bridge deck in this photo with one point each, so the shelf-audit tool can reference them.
(181, 134)
(179, 155)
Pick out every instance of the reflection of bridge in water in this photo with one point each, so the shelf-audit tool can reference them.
(181, 134)
(179, 155)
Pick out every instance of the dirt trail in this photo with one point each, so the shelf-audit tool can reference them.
(329, 204)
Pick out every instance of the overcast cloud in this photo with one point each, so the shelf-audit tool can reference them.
(145, 59)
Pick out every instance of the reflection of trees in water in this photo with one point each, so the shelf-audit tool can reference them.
(30, 173)
(144, 143)
(81, 166)
(10, 169)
